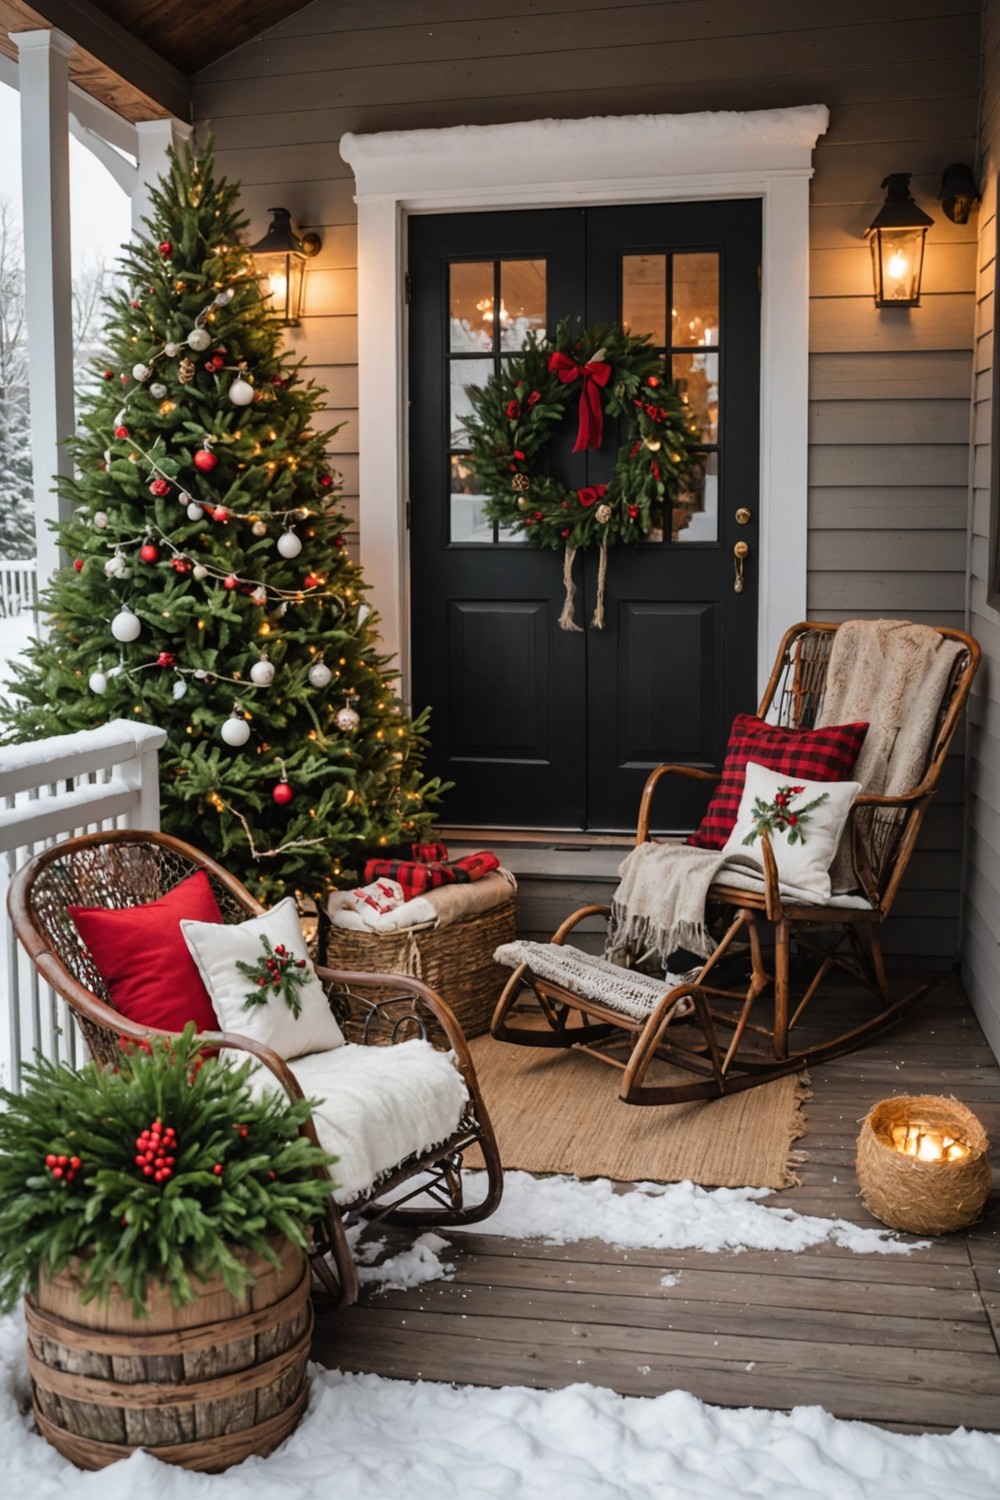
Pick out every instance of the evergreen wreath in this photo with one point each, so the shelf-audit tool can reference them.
(614, 374)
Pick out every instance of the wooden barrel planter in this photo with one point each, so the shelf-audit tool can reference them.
(202, 1386)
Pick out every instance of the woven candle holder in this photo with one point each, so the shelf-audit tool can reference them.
(923, 1197)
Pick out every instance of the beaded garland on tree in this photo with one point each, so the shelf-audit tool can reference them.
(614, 374)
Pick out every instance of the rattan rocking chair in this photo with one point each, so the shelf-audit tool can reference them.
(733, 1035)
(127, 867)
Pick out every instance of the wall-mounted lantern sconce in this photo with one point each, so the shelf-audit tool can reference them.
(281, 259)
(896, 235)
(959, 193)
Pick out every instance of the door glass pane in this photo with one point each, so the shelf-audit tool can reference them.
(522, 301)
(471, 306)
(696, 300)
(644, 296)
(697, 377)
(468, 518)
(696, 514)
(464, 373)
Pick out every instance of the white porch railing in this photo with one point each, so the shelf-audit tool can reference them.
(49, 790)
(18, 586)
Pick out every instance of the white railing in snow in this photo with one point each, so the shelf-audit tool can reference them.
(18, 587)
(49, 790)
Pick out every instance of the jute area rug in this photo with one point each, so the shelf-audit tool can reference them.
(560, 1112)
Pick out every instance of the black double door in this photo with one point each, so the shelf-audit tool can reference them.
(539, 727)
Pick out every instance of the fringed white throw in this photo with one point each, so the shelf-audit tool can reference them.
(659, 905)
(590, 977)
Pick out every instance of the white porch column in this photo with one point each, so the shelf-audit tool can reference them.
(155, 137)
(48, 294)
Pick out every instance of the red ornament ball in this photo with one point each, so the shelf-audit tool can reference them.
(283, 792)
(159, 487)
(149, 552)
(311, 581)
(230, 581)
(180, 565)
(109, 374)
(339, 541)
(205, 460)
(121, 432)
(134, 303)
(165, 248)
(325, 481)
(124, 379)
(78, 564)
(166, 659)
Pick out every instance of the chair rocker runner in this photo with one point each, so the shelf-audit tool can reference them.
(733, 1034)
(128, 868)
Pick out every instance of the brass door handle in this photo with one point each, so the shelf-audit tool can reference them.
(740, 551)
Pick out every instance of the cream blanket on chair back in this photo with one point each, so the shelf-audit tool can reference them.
(894, 674)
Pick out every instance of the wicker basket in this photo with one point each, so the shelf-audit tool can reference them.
(202, 1386)
(922, 1197)
(456, 960)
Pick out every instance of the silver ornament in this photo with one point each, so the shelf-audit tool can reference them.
(199, 571)
(97, 682)
(100, 519)
(241, 392)
(347, 719)
(194, 511)
(180, 688)
(235, 730)
(320, 674)
(198, 339)
(158, 390)
(171, 350)
(259, 528)
(289, 545)
(126, 626)
(262, 672)
(140, 372)
(223, 298)
(117, 567)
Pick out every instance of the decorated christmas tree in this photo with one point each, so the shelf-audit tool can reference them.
(210, 591)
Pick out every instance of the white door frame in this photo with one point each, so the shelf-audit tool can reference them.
(765, 154)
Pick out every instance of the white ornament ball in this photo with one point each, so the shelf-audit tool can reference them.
(289, 544)
(241, 393)
(223, 298)
(194, 511)
(126, 626)
(235, 731)
(97, 682)
(199, 571)
(320, 674)
(158, 390)
(259, 528)
(100, 519)
(262, 673)
(171, 350)
(116, 567)
(347, 719)
(140, 372)
(198, 339)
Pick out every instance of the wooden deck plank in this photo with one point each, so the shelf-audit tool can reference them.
(910, 1342)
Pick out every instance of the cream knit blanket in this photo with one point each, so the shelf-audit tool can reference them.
(659, 905)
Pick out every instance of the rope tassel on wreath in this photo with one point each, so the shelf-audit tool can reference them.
(611, 373)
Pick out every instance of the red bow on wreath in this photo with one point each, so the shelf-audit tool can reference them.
(594, 375)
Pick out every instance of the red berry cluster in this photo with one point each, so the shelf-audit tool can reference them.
(781, 800)
(216, 361)
(63, 1168)
(153, 1146)
(242, 1131)
(277, 965)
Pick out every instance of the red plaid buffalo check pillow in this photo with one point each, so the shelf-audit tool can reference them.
(812, 754)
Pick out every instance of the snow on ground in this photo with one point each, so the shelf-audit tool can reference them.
(367, 1438)
(664, 1216)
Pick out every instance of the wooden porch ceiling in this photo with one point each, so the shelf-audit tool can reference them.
(138, 56)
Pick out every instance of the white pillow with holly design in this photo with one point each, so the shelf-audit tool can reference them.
(262, 983)
(804, 821)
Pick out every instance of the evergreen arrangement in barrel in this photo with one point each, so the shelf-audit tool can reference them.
(209, 589)
(160, 1170)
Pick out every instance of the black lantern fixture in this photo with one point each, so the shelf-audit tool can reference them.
(896, 235)
(958, 193)
(281, 259)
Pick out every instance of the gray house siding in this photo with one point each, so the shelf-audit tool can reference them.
(981, 907)
(889, 435)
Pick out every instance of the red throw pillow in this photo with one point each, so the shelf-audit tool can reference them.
(814, 754)
(141, 955)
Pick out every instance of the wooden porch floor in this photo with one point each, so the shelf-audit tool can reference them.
(909, 1342)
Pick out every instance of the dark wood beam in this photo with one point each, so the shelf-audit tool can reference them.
(111, 50)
